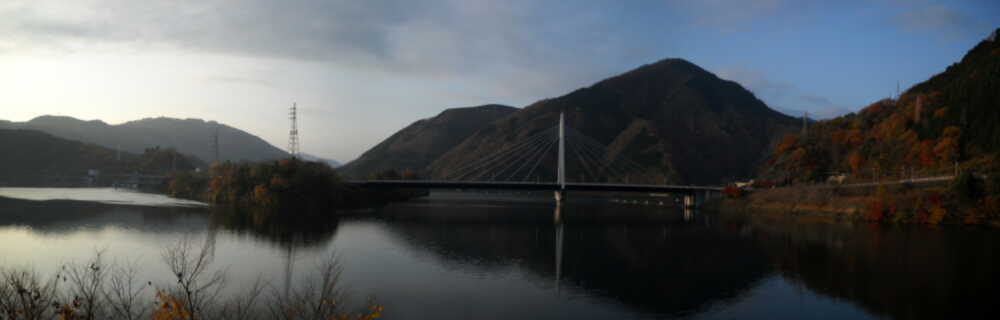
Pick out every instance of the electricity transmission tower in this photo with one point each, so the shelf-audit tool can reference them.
(293, 135)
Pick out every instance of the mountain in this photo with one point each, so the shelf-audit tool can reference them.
(30, 152)
(672, 117)
(952, 117)
(420, 143)
(34, 158)
(190, 136)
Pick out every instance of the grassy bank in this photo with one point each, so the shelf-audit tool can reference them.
(965, 200)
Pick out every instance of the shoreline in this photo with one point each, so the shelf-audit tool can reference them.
(900, 205)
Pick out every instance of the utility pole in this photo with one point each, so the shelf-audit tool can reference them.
(173, 156)
(805, 123)
(215, 143)
(293, 134)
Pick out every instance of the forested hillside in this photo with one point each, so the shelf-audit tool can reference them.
(951, 119)
(417, 145)
(36, 158)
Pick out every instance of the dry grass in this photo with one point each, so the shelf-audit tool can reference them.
(98, 290)
(807, 199)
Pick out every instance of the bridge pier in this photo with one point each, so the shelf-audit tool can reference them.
(690, 201)
(560, 196)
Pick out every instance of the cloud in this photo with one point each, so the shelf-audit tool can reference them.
(242, 80)
(947, 20)
(294, 29)
(528, 48)
(783, 96)
(730, 14)
(935, 17)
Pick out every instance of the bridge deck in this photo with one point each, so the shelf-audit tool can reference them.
(537, 186)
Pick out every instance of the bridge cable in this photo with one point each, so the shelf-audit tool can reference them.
(541, 154)
(618, 172)
(500, 166)
(539, 161)
(478, 163)
(473, 166)
(523, 156)
(586, 167)
(596, 154)
(590, 168)
(600, 170)
(499, 162)
(578, 150)
(625, 165)
(625, 160)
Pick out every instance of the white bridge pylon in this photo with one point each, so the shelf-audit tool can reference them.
(578, 157)
(561, 174)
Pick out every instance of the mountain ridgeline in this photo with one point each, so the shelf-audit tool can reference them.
(35, 158)
(419, 144)
(189, 136)
(680, 122)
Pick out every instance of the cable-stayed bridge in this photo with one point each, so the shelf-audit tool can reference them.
(543, 161)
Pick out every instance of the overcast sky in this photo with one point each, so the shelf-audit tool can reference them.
(360, 70)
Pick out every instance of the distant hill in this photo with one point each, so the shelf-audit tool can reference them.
(31, 157)
(190, 136)
(332, 163)
(682, 122)
(951, 117)
(420, 143)
(35, 152)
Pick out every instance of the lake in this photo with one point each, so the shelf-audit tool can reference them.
(460, 256)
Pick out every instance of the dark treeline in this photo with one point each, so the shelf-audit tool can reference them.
(288, 185)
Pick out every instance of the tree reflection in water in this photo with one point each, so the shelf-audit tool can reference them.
(906, 272)
(656, 261)
(290, 231)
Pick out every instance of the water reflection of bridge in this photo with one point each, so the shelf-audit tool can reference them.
(134, 180)
(668, 263)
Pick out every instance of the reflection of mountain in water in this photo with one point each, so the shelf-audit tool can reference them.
(60, 217)
(661, 264)
(903, 273)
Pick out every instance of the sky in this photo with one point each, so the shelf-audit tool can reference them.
(361, 70)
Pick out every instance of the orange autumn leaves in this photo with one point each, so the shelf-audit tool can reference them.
(887, 136)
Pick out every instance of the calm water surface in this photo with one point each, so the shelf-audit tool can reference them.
(461, 257)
